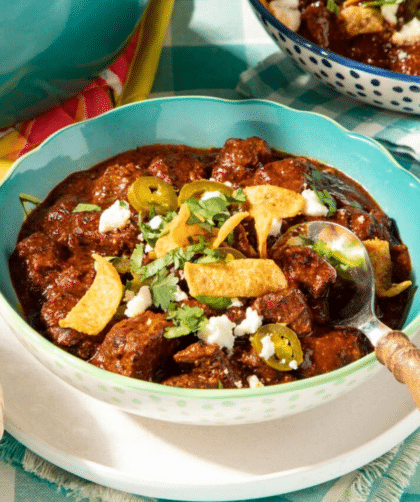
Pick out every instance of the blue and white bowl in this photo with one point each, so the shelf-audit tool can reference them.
(370, 84)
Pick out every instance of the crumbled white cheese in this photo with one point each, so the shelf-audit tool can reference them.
(236, 302)
(218, 330)
(114, 217)
(402, 55)
(155, 222)
(238, 384)
(250, 324)
(389, 11)
(409, 33)
(313, 206)
(180, 295)
(361, 218)
(293, 364)
(138, 304)
(148, 248)
(287, 12)
(268, 349)
(254, 382)
(228, 183)
(275, 227)
(210, 195)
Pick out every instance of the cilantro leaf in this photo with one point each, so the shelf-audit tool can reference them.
(176, 257)
(137, 259)
(151, 235)
(26, 199)
(80, 208)
(328, 200)
(217, 302)
(186, 320)
(314, 178)
(212, 211)
(163, 288)
(333, 7)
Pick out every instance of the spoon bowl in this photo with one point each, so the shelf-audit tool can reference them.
(341, 247)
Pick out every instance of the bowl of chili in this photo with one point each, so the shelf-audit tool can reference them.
(368, 51)
(165, 152)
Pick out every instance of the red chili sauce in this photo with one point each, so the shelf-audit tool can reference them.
(52, 268)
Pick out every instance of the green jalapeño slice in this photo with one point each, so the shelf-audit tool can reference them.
(279, 346)
(148, 191)
(198, 187)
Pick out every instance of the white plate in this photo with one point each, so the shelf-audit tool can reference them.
(159, 459)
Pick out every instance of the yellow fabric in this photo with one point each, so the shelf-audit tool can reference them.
(148, 50)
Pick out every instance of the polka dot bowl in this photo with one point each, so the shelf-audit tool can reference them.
(372, 85)
(202, 122)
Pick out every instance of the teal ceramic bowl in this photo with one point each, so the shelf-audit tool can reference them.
(52, 49)
(204, 122)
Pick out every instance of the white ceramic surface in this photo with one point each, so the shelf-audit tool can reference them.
(182, 462)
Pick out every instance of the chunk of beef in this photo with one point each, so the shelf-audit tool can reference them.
(205, 366)
(287, 173)
(288, 307)
(136, 347)
(244, 238)
(177, 169)
(38, 258)
(330, 349)
(365, 225)
(401, 262)
(239, 158)
(113, 183)
(303, 266)
(81, 229)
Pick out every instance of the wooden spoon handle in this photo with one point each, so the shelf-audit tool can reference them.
(402, 358)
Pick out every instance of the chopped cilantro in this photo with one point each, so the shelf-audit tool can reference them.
(354, 203)
(186, 320)
(176, 257)
(163, 288)
(137, 259)
(151, 235)
(328, 200)
(379, 3)
(212, 212)
(211, 256)
(26, 199)
(217, 302)
(336, 258)
(333, 7)
(80, 208)
(314, 179)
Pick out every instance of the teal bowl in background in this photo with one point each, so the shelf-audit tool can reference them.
(204, 122)
(51, 49)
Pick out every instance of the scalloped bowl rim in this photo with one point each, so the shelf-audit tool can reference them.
(19, 323)
(320, 51)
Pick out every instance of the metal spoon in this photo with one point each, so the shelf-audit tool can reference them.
(392, 348)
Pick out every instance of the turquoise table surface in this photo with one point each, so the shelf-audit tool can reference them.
(218, 48)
